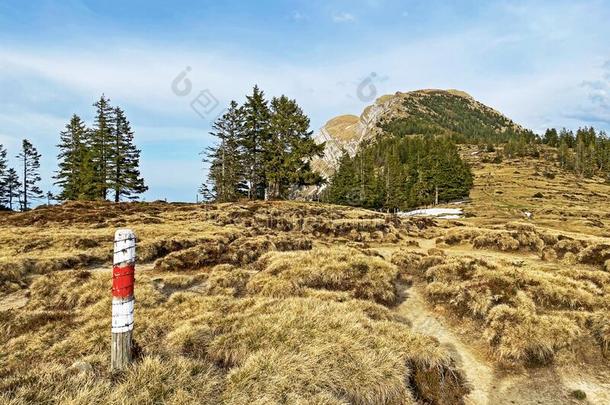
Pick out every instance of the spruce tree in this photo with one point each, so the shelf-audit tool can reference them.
(30, 161)
(12, 185)
(226, 173)
(401, 172)
(252, 139)
(288, 148)
(74, 173)
(3, 169)
(344, 186)
(3, 177)
(551, 137)
(123, 159)
(101, 147)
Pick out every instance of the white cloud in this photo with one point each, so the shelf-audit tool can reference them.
(343, 17)
(141, 77)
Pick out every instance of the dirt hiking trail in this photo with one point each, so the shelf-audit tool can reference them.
(490, 385)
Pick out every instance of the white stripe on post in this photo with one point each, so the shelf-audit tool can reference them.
(123, 273)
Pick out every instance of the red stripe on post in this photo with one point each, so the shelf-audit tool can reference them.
(123, 281)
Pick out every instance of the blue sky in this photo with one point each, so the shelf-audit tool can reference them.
(543, 63)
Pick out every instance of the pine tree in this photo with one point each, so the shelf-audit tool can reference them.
(567, 137)
(566, 160)
(551, 137)
(252, 139)
(3, 177)
(123, 159)
(30, 161)
(101, 147)
(74, 172)
(288, 148)
(226, 173)
(344, 186)
(12, 185)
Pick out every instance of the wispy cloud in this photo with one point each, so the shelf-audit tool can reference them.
(343, 17)
(597, 109)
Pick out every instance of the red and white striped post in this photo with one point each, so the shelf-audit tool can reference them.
(123, 274)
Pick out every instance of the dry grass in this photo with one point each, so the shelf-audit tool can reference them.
(503, 192)
(528, 314)
(242, 306)
(284, 302)
(180, 236)
(336, 269)
(518, 333)
(210, 347)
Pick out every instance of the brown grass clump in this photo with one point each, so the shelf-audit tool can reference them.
(206, 252)
(247, 250)
(409, 263)
(153, 380)
(346, 357)
(201, 348)
(520, 334)
(238, 251)
(596, 253)
(339, 269)
(600, 328)
(226, 279)
(528, 314)
(13, 272)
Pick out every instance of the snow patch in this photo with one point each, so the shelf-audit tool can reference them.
(441, 213)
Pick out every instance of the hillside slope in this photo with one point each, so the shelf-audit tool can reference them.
(421, 111)
(235, 300)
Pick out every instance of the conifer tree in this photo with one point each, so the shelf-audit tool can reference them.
(252, 139)
(226, 173)
(123, 159)
(288, 148)
(74, 174)
(101, 146)
(12, 186)
(551, 137)
(29, 159)
(344, 186)
(3, 177)
(401, 172)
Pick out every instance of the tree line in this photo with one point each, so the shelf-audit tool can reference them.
(16, 191)
(100, 162)
(94, 163)
(398, 173)
(262, 151)
(586, 152)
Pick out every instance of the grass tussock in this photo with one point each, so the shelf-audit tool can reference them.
(527, 314)
(518, 333)
(346, 356)
(206, 346)
(517, 237)
(600, 327)
(338, 269)
(221, 250)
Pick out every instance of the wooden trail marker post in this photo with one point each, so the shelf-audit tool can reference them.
(123, 274)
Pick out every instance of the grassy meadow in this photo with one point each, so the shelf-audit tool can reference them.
(302, 303)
